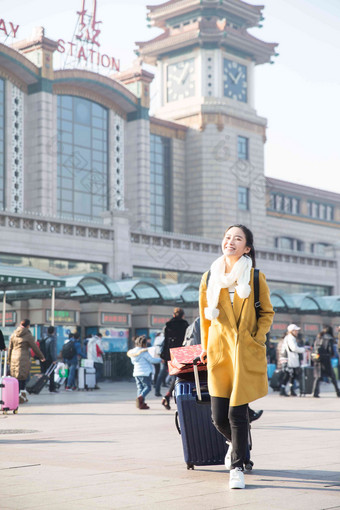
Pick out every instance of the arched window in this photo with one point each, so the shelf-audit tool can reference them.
(2, 144)
(82, 158)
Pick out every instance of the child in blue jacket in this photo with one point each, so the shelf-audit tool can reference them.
(142, 370)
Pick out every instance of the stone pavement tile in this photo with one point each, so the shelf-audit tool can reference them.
(104, 454)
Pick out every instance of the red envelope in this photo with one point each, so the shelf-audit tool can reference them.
(181, 359)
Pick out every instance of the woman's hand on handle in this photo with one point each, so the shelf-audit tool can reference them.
(203, 357)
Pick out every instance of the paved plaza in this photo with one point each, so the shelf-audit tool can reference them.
(95, 450)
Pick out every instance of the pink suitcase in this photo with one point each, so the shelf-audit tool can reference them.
(9, 389)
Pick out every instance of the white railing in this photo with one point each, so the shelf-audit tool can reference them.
(58, 226)
(194, 243)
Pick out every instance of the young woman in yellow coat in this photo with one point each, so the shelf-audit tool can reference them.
(233, 342)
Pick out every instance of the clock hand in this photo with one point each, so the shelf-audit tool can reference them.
(232, 76)
(184, 74)
(238, 77)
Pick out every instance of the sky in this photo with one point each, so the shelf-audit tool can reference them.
(299, 94)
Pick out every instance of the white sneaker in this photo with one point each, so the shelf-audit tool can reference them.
(236, 479)
(227, 458)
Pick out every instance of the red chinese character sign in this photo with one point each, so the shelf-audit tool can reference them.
(88, 31)
(84, 49)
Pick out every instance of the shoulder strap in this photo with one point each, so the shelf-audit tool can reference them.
(257, 303)
(208, 278)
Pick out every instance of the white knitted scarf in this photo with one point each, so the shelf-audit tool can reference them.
(218, 280)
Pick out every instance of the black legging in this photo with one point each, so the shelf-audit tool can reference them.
(317, 381)
(232, 423)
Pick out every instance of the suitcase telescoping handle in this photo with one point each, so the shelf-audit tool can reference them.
(3, 355)
(51, 369)
(197, 379)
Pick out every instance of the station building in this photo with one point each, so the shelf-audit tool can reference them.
(131, 207)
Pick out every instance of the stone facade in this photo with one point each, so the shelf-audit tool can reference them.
(205, 166)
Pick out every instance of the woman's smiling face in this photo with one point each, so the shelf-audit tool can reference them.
(234, 243)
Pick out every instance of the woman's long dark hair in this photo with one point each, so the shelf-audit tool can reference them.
(327, 330)
(249, 241)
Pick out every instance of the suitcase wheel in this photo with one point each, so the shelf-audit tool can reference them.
(190, 465)
(16, 410)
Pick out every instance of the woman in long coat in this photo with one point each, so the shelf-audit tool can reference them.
(19, 357)
(233, 342)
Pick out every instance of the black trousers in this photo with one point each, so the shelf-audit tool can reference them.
(172, 386)
(22, 385)
(45, 365)
(317, 381)
(232, 423)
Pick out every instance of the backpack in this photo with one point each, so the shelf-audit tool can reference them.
(69, 350)
(172, 339)
(257, 303)
(192, 334)
(169, 343)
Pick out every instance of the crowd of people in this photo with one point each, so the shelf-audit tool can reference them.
(22, 346)
(150, 359)
(293, 354)
(289, 354)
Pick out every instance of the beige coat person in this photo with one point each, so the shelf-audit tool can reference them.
(19, 357)
(235, 344)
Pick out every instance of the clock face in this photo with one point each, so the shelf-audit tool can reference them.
(181, 80)
(235, 80)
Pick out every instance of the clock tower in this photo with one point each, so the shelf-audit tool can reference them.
(205, 60)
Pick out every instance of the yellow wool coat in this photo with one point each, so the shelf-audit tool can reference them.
(235, 344)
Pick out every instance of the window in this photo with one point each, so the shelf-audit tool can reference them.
(242, 147)
(160, 183)
(284, 203)
(319, 248)
(289, 243)
(243, 198)
(167, 275)
(2, 144)
(57, 267)
(82, 158)
(320, 211)
(296, 288)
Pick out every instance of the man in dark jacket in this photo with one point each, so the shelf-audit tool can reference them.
(174, 333)
(51, 355)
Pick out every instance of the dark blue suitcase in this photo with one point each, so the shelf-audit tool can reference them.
(203, 445)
